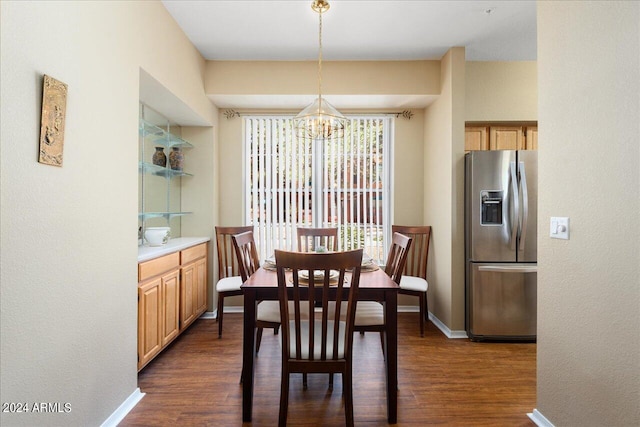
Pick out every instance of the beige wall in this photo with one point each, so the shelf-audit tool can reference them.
(338, 77)
(501, 91)
(444, 150)
(589, 157)
(68, 260)
(200, 192)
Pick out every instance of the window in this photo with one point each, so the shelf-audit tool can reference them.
(342, 182)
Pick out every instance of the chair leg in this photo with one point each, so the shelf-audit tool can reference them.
(347, 391)
(382, 341)
(422, 313)
(426, 308)
(304, 381)
(258, 340)
(276, 329)
(220, 311)
(331, 381)
(284, 398)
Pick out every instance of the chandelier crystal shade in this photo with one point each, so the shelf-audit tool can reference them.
(320, 120)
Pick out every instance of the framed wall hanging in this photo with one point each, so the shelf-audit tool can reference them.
(54, 106)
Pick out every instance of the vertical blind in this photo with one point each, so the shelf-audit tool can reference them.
(340, 182)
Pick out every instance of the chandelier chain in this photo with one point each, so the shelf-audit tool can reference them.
(320, 57)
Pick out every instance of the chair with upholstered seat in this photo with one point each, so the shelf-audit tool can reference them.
(268, 312)
(317, 344)
(310, 239)
(229, 279)
(370, 314)
(414, 280)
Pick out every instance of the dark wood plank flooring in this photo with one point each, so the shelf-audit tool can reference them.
(452, 382)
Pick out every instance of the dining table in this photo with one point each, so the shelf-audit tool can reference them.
(374, 286)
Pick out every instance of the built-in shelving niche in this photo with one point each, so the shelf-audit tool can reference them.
(159, 188)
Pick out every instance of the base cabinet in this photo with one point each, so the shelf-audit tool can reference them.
(149, 321)
(172, 293)
(170, 307)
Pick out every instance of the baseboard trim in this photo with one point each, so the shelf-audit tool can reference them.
(232, 309)
(122, 411)
(209, 315)
(445, 330)
(539, 419)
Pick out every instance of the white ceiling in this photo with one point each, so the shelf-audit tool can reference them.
(496, 30)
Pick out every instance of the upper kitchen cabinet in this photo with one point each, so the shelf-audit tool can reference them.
(476, 138)
(531, 139)
(506, 138)
(499, 136)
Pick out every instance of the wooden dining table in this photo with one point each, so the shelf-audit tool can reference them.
(374, 286)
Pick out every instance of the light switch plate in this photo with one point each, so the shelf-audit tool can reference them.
(559, 227)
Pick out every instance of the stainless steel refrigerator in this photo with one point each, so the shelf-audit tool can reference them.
(501, 189)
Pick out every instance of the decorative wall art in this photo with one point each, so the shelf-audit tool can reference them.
(54, 107)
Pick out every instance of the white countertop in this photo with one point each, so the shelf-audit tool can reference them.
(145, 253)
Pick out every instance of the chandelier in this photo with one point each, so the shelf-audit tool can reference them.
(320, 120)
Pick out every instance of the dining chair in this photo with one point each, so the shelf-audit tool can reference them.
(317, 344)
(370, 314)
(310, 238)
(414, 280)
(268, 312)
(229, 280)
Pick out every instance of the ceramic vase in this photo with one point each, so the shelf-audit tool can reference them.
(176, 158)
(159, 158)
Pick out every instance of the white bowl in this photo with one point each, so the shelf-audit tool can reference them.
(157, 236)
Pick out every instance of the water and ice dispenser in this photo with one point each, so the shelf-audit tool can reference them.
(491, 207)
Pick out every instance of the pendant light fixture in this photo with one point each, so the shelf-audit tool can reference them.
(320, 120)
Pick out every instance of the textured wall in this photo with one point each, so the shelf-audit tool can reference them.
(589, 286)
(501, 91)
(69, 247)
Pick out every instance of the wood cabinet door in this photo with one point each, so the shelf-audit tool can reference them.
(532, 138)
(476, 138)
(170, 306)
(201, 286)
(506, 138)
(188, 293)
(149, 321)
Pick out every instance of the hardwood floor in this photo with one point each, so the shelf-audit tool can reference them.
(453, 382)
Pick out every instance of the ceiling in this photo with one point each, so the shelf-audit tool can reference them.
(497, 30)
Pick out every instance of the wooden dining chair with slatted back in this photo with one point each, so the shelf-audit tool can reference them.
(312, 239)
(229, 280)
(370, 314)
(268, 312)
(318, 344)
(414, 279)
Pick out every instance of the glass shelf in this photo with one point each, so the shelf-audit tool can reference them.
(160, 170)
(161, 136)
(167, 215)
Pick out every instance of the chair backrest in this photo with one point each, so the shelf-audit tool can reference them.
(335, 338)
(310, 238)
(227, 258)
(416, 264)
(247, 254)
(397, 258)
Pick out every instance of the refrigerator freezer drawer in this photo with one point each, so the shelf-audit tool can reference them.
(501, 301)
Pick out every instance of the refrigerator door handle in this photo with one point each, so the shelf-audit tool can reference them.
(516, 205)
(525, 205)
(510, 268)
